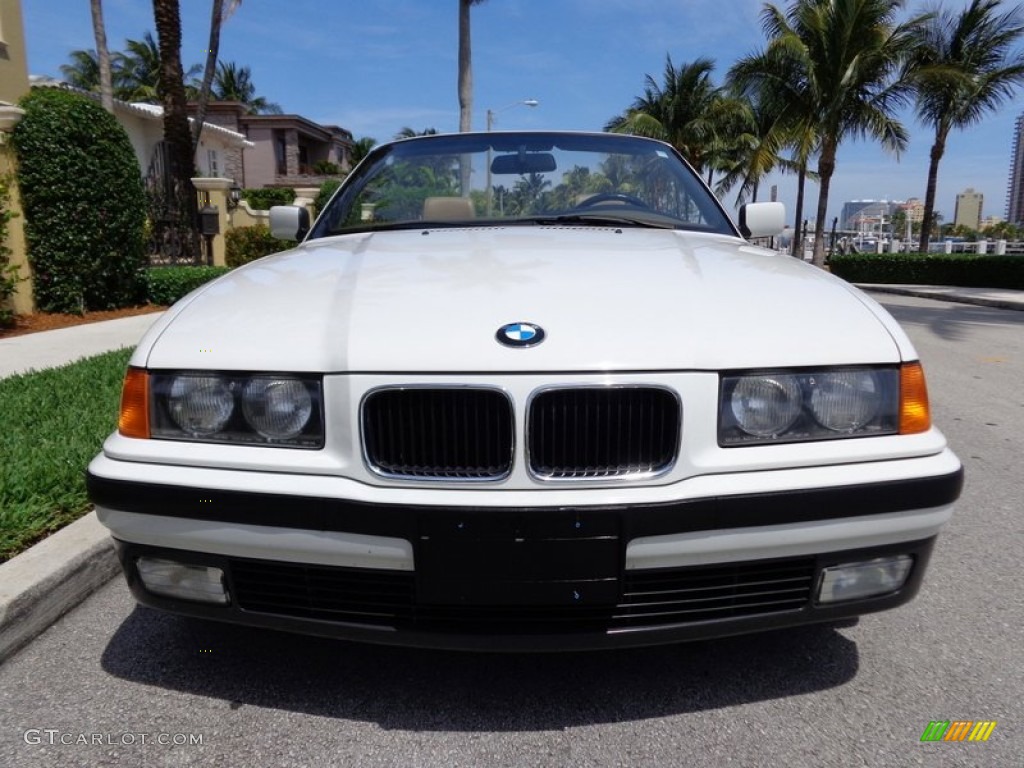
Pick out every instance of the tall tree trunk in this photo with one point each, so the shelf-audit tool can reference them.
(798, 240)
(465, 69)
(103, 56)
(826, 166)
(203, 98)
(183, 207)
(938, 150)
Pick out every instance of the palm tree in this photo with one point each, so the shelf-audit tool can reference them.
(753, 152)
(771, 79)
(234, 83)
(219, 14)
(361, 148)
(465, 66)
(83, 71)
(688, 111)
(183, 207)
(102, 56)
(139, 70)
(847, 56)
(408, 133)
(964, 67)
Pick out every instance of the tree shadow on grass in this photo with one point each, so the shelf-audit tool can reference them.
(417, 690)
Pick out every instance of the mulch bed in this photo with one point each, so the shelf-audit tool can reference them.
(43, 321)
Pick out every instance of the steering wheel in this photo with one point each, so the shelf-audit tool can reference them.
(618, 197)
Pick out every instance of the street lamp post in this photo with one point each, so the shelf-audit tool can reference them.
(490, 124)
(492, 112)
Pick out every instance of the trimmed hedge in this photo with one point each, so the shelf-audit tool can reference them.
(264, 199)
(8, 272)
(84, 203)
(245, 244)
(961, 269)
(168, 284)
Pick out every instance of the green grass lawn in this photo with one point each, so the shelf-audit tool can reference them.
(52, 423)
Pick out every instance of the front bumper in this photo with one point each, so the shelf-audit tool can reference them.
(572, 576)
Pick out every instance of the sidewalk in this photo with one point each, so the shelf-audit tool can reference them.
(48, 349)
(42, 584)
(38, 586)
(985, 297)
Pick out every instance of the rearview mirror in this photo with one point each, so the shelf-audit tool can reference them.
(289, 222)
(762, 219)
(522, 163)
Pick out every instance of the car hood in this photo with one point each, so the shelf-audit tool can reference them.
(608, 299)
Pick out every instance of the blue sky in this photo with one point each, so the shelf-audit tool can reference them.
(376, 66)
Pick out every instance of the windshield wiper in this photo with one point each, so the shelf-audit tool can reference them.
(598, 219)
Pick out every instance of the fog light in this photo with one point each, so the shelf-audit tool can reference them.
(189, 582)
(852, 581)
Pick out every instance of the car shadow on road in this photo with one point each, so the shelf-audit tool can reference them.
(416, 690)
(950, 321)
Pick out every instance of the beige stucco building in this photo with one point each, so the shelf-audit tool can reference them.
(13, 65)
(13, 85)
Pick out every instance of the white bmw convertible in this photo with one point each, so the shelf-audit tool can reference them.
(525, 391)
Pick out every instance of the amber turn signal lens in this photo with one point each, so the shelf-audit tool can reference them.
(133, 420)
(915, 414)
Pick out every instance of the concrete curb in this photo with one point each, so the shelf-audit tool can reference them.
(955, 295)
(46, 581)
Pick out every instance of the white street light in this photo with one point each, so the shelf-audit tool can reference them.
(492, 112)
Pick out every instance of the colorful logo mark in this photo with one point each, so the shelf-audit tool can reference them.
(958, 730)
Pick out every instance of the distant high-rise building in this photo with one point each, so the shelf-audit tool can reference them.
(1015, 191)
(968, 209)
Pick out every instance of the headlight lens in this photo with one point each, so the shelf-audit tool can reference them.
(772, 407)
(200, 405)
(845, 401)
(277, 408)
(766, 406)
(280, 410)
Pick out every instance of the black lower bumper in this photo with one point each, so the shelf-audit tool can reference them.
(526, 578)
(648, 608)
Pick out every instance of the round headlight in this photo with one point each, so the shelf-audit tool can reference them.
(845, 401)
(765, 406)
(200, 405)
(277, 408)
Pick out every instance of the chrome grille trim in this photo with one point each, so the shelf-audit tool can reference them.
(607, 432)
(438, 432)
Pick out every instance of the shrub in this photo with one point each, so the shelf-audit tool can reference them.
(324, 195)
(264, 199)
(326, 168)
(961, 269)
(165, 285)
(84, 204)
(8, 272)
(245, 244)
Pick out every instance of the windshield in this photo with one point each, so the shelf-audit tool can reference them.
(528, 178)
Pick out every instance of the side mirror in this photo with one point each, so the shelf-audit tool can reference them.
(289, 222)
(762, 219)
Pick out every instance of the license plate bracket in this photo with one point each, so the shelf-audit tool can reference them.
(518, 558)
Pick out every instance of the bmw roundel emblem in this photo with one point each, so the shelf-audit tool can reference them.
(520, 335)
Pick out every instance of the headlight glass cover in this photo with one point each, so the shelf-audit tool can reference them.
(281, 410)
(793, 406)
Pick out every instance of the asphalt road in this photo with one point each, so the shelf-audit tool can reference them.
(140, 688)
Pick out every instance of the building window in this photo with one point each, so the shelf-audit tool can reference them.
(211, 162)
(281, 153)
